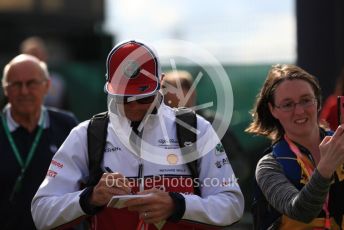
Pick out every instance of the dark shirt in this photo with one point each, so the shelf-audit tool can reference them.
(17, 214)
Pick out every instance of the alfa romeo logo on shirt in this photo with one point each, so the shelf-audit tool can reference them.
(131, 69)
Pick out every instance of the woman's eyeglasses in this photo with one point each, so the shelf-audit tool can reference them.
(290, 105)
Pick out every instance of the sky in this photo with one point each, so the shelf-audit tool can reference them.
(244, 31)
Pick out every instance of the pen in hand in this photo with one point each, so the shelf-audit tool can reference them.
(107, 169)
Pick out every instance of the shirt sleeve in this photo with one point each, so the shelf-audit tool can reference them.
(57, 199)
(303, 205)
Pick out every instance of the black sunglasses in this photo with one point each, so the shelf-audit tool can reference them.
(145, 100)
(139, 100)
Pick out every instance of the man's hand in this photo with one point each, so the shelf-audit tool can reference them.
(109, 185)
(154, 208)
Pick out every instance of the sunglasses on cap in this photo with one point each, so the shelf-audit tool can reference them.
(139, 100)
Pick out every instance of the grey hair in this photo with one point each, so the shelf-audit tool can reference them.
(20, 58)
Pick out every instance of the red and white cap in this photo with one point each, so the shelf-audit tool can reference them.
(133, 70)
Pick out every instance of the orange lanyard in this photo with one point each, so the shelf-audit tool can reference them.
(142, 225)
(301, 158)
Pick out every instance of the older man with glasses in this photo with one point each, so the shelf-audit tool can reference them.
(29, 136)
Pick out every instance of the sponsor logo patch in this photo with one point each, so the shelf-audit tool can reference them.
(168, 143)
(143, 88)
(57, 164)
(219, 150)
(51, 173)
(112, 149)
(172, 159)
(221, 163)
(172, 170)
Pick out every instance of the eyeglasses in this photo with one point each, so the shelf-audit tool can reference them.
(129, 99)
(290, 105)
(31, 84)
(145, 100)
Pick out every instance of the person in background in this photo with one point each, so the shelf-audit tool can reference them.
(301, 177)
(177, 89)
(29, 136)
(57, 95)
(329, 111)
(142, 151)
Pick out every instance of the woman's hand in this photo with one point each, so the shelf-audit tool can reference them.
(331, 153)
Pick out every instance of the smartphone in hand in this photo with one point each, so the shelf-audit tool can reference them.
(340, 109)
